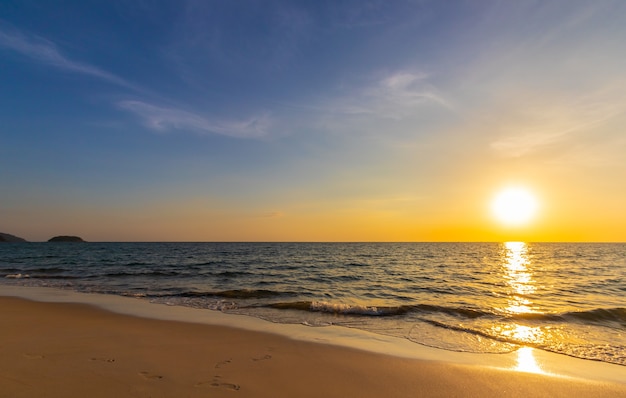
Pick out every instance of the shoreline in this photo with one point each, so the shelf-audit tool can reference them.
(523, 363)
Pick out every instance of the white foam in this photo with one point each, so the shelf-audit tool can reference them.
(339, 308)
(17, 276)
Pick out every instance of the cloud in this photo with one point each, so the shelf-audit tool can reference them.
(46, 52)
(272, 214)
(155, 117)
(554, 120)
(393, 96)
(520, 145)
(164, 119)
(406, 89)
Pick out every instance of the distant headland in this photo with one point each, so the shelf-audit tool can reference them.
(10, 238)
(61, 238)
(65, 238)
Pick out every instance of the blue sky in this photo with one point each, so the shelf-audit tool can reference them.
(337, 120)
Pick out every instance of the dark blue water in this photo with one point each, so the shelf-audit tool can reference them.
(476, 297)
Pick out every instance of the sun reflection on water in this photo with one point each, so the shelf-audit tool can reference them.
(517, 270)
(518, 277)
(526, 361)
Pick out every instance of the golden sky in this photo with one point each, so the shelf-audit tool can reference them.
(311, 122)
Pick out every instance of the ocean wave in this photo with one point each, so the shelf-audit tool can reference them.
(596, 316)
(56, 277)
(19, 275)
(600, 315)
(206, 263)
(157, 274)
(455, 311)
(321, 306)
(370, 310)
(338, 308)
(47, 270)
(355, 264)
(233, 294)
(232, 274)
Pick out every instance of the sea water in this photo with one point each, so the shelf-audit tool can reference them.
(567, 298)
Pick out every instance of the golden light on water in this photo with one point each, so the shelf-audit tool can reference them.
(526, 361)
(521, 333)
(518, 277)
(517, 272)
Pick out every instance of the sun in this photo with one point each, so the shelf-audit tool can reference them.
(514, 206)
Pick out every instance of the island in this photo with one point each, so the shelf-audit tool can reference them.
(10, 238)
(66, 238)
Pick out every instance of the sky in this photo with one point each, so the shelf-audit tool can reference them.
(200, 120)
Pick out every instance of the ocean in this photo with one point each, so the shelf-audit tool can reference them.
(567, 298)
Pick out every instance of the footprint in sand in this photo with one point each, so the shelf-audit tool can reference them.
(150, 376)
(33, 356)
(229, 386)
(221, 364)
(263, 358)
(217, 383)
(108, 360)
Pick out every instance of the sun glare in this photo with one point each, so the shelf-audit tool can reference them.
(514, 206)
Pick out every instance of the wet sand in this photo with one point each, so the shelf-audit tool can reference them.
(69, 349)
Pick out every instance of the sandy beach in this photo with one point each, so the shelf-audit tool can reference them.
(51, 349)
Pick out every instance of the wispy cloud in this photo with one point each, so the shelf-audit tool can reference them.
(163, 119)
(46, 52)
(554, 122)
(272, 214)
(393, 96)
(404, 89)
(155, 117)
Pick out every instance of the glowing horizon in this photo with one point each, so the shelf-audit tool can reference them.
(311, 122)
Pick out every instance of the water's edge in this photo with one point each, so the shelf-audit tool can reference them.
(544, 362)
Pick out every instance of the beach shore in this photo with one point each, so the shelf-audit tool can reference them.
(61, 349)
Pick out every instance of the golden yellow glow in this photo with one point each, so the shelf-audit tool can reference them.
(514, 206)
(517, 272)
(526, 361)
(523, 334)
(518, 276)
